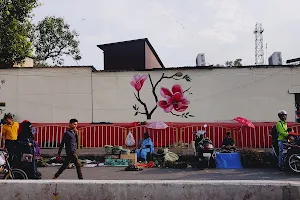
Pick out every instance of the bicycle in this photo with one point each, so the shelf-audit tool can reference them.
(9, 172)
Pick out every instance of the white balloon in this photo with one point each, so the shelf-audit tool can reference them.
(205, 125)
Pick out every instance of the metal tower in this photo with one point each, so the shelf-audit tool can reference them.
(259, 44)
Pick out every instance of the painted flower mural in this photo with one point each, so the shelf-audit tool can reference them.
(138, 81)
(174, 99)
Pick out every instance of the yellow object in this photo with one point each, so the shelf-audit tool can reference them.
(10, 132)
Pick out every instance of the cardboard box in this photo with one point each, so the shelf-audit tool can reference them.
(131, 157)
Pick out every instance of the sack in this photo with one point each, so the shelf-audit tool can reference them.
(171, 157)
(130, 140)
(274, 133)
(26, 158)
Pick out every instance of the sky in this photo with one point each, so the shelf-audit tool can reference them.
(222, 29)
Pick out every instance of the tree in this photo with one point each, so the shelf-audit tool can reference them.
(236, 63)
(53, 39)
(15, 30)
(228, 63)
(40, 64)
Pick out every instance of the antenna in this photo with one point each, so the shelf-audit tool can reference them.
(259, 45)
(267, 53)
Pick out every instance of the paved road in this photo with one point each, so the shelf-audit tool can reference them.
(118, 173)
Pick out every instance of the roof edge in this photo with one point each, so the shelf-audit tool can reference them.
(55, 67)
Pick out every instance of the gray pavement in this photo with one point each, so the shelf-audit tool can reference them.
(118, 173)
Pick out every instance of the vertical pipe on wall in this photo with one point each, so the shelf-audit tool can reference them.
(92, 95)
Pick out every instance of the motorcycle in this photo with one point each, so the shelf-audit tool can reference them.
(291, 152)
(204, 149)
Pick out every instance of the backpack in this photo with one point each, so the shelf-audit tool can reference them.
(274, 133)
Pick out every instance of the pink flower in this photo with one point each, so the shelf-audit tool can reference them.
(138, 81)
(174, 100)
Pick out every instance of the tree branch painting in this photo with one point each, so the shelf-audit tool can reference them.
(174, 102)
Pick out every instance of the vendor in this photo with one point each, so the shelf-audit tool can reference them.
(228, 142)
(146, 147)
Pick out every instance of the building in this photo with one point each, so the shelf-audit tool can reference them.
(130, 55)
(27, 62)
(200, 60)
(207, 94)
(275, 59)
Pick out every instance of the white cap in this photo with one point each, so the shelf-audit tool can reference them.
(282, 112)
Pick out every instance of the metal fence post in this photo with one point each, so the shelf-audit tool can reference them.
(181, 132)
(125, 135)
(79, 140)
(176, 140)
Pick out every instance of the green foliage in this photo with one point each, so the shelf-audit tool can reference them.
(15, 31)
(236, 63)
(53, 39)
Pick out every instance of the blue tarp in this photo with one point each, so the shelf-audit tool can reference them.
(228, 161)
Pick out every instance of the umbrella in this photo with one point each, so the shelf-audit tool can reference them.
(244, 122)
(157, 125)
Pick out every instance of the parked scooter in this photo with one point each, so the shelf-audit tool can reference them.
(204, 149)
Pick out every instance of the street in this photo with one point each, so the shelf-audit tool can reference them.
(118, 173)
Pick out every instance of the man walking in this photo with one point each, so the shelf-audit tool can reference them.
(281, 127)
(10, 136)
(70, 140)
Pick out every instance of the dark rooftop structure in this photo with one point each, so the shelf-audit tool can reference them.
(293, 60)
(130, 55)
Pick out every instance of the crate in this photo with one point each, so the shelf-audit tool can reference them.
(132, 157)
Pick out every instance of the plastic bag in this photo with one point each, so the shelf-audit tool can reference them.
(2, 159)
(130, 140)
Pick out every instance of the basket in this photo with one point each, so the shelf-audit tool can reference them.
(117, 148)
(125, 151)
(116, 151)
(108, 149)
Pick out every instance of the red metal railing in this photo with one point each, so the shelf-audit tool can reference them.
(95, 136)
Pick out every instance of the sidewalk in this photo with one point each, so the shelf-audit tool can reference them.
(101, 152)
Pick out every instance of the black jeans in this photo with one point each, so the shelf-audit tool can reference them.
(70, 158)
(11, 146)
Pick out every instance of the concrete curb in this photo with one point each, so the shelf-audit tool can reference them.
(140, 189)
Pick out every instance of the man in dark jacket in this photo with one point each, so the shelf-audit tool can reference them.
(228, 142)
(70, 140)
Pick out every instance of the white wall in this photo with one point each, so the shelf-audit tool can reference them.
(218, 94)
(57, 94)
(47, 94)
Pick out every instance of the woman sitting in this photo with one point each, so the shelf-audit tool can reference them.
(26, 145)
(145, 148)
